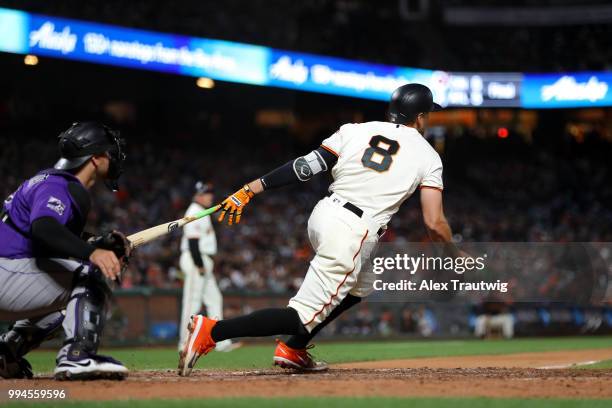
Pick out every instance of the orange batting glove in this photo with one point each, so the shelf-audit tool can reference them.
(235, 203)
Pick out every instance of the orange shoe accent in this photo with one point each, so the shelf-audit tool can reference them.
(199, 343)
(297, 359)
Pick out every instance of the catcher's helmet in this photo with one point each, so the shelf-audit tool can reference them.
(408, 101)
(83, 140)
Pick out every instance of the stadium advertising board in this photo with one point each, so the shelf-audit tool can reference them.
(25, 33)
(567, 90)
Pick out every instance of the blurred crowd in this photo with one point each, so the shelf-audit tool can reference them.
(373, 31)
(496, 190)
(553, 189)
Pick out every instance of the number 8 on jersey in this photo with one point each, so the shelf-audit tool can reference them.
(379, 155)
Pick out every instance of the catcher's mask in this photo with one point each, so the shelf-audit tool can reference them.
(83, 140)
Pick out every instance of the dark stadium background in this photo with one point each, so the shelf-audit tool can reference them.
(510, 174)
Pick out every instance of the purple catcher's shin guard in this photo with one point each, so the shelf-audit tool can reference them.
(83, 325)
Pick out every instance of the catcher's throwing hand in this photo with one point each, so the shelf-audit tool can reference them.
(235, 203)
(107, 261)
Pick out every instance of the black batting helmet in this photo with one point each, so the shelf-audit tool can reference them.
(83, 140)
(408, 101)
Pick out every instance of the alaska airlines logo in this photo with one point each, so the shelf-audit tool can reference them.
(46, 37)
(567, 89)
(286, 70)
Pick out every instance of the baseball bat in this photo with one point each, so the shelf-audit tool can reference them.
(152, 233)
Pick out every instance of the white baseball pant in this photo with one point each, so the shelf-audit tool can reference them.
(199, 290)
(342, 241)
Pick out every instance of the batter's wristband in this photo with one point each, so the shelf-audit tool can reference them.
(248, 190)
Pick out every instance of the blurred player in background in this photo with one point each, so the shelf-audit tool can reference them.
(52, 274)
(198, 247)
(376, 166)
(494, 315)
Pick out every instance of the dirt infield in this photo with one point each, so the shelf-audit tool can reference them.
(513, 375)
(550, 359)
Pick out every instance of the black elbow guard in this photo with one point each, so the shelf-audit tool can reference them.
(307, 166)
(300, 169)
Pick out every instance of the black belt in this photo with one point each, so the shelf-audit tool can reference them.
(357, 211)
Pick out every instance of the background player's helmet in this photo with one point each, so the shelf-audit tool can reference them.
(85, 139)
(408, 101)
(203, 188)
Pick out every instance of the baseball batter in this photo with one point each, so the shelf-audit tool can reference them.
(198, 247)
(376, 166)
(50, 276)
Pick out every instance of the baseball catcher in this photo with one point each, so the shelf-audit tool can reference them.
(376, 166)
(53, 274)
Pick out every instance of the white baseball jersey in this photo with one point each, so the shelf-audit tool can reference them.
(380, 165)
(202, 230)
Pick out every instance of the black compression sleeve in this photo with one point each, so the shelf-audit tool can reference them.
(279, 177)
(194, 248)
(286, 174)
(86, 235)
(57, 237)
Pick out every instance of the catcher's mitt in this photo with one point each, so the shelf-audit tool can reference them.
(113, 241)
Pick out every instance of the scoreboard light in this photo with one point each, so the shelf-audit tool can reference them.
(205, 83)
(30, 59)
